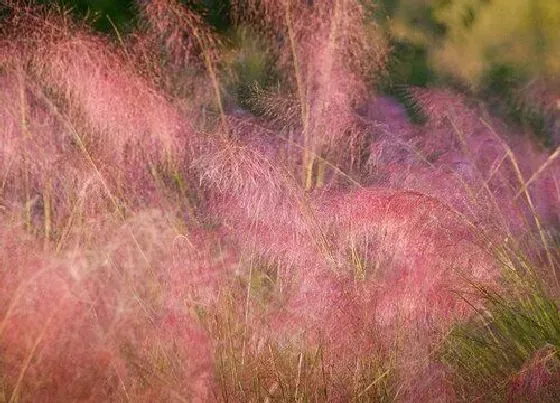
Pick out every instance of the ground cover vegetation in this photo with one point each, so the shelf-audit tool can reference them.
(221, 202)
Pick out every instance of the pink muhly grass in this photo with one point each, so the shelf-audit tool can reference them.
(258, 199)
(324, 45)
(83, 117)
(36, 155)
(537, 378)
(479, 172)
(422, 249)
(502, 171)
(190, 44)
(278, 285)
(419, 254)
(104, 322)
(266, 216)
(180, 32)
(418, 250)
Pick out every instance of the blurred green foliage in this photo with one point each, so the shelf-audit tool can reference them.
(504, 51)
(467, 39)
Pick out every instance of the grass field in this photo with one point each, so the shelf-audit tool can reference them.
(185, 218)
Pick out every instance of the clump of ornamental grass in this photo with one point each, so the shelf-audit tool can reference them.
(405, 254)
(363, 265)
(88, 144)
(484, 169)
(182, 54)
(259, 200)
(364, 249)
(256, 359)
(85, 130)
(508, 349)
(110, 318)
(326, 49)
(509, 346)
(503, 187)
(262, 289)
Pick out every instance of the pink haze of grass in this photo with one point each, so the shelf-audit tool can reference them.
(143, 222)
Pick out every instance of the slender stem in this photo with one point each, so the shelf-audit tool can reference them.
(522, 182)
(47, 211)
(308, 158)
(247, 307)
(298, 380)
(213, 78)
(25, 136)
